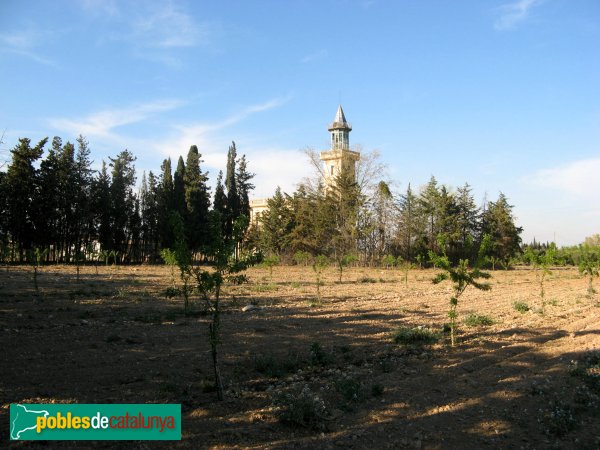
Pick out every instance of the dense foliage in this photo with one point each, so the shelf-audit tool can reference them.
(56, 203)
(374, 226)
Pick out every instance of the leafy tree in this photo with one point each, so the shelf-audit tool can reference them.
(302, 258)
(589, 266)
(209, 282)
(269, 262)
(320, 263)
(343, 262)
(388, 261)
(541, 262)
(461, 276)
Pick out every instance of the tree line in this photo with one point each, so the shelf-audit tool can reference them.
(372, 224)
(57, 205)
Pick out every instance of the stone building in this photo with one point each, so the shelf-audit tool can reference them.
(338, 158)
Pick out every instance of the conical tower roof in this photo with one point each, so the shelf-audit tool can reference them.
(340, 121)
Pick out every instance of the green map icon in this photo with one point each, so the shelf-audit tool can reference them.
(23, 420)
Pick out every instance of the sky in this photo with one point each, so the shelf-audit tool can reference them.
(502, 94)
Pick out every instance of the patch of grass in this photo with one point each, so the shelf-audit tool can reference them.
(269, 366)
(415, 336)
(302, 409)
(314, 302)
(264, 287)
(367, 280)
(295, 284)
(478, 320)
(171, 292)
(522, 307)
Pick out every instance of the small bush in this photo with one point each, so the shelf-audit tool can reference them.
(522, 307)
(560, 419)
(269, 366)
(351, 389)
(367, 280)
(478, 320)
(318, 356)
(304, 409)
(171, 292)
(588, 370)
(377, 390)
(415, 336)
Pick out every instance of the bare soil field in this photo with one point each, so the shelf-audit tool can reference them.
(301, 372)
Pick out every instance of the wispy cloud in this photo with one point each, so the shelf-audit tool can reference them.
(316, 56)
(579, 178)
(168, 27)
(204, 134)
(24, 43)
(511, 14)
(103, 123)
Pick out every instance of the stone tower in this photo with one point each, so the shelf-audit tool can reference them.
(339, 157)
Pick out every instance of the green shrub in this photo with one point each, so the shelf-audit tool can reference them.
(415, 336)
(478, 320)
(318, 356)
(303, 409)
(367, 280)
(522, 307)
(351, 389)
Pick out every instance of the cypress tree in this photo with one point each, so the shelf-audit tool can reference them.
(165, 205)
(20, 192)
(179, 204)
(197, 199)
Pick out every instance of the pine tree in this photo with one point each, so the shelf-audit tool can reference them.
(499, 223)
(275, 225)
(409, 228)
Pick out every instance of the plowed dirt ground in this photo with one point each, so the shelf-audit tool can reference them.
(114, 337)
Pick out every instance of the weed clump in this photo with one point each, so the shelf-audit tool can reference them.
(415, 336)
(318, 356)
(522, 307)
(478, 320)
(302, 409)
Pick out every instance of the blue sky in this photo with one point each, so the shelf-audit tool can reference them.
(503, 94)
